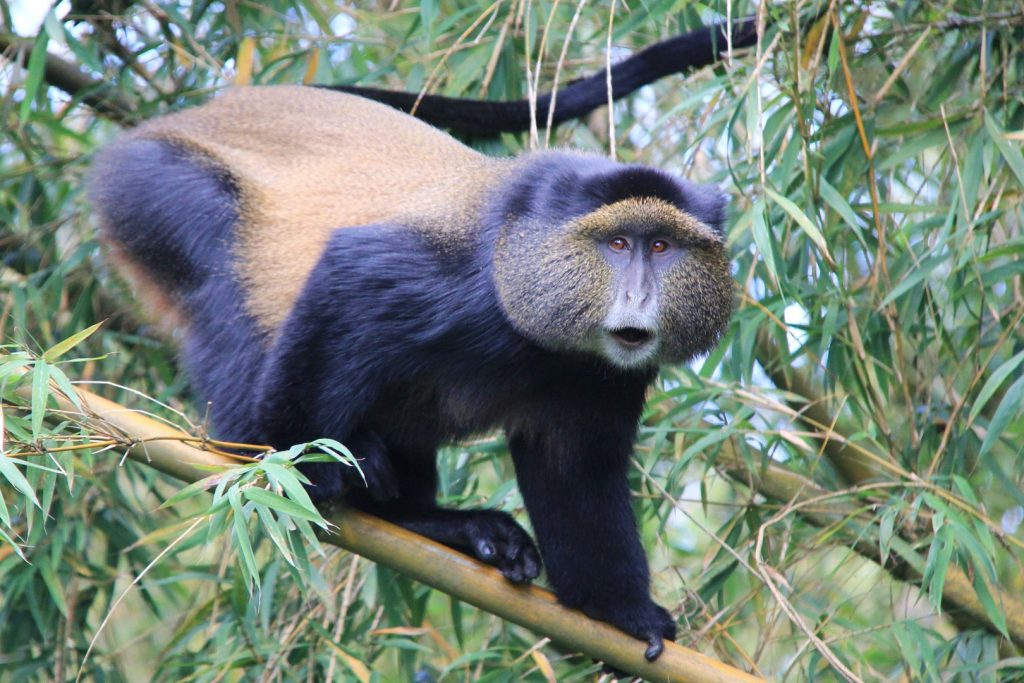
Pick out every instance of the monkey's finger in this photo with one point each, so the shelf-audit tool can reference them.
(514, 573)
(531, 563)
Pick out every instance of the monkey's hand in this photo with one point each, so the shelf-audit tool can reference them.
(648, 622)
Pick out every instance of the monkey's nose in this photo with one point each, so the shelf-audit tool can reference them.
(638, 298)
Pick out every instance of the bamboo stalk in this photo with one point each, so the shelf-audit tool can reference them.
(424, 560)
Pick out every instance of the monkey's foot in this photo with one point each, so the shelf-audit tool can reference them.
(490, 536)
(495, 538)
(648, 622)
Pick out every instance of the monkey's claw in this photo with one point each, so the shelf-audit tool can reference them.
(655, 646)
(648, 622)
(660, 627)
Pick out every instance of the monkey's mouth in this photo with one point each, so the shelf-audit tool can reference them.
(632, 337)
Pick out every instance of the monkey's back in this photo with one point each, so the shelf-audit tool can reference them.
(306, 161)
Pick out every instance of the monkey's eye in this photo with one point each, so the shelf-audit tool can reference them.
(660, 246)
(619, 244)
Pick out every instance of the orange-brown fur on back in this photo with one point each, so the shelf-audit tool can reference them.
(307, 161)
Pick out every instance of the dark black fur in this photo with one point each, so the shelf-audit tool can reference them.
(679, 54)
(397, 346)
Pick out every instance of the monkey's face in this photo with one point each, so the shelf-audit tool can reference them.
(638, 282)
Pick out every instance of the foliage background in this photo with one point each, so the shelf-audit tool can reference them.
(839, 485)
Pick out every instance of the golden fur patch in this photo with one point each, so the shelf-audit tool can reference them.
(308, 161)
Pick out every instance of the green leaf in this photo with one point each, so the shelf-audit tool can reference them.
(65, 386)
(11, 368)
(763, 238)
(918, 274)
(994, 612)
(802, 220)
(840, 206)
(287, 479)
(62, 347)
(276, 534)
(1008, 408)
(40, 392)
(52, 583)
(36, 66)
(9, 471)
(285, 505)
(241, 532)
(14, 546)
(54, 29)
(885, 532)
(994, 381)
(193, 489)
(1010, 152)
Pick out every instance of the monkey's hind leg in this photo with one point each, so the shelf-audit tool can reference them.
(373, 478)
(491, 536)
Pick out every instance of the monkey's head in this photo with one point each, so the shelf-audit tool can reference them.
(628, 264)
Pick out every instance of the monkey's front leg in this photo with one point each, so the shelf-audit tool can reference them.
(577, 496)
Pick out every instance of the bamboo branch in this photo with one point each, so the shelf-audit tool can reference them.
(165, 448)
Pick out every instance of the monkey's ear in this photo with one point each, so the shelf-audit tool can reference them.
(707, 203)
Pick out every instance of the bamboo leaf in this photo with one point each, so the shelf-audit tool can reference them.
(1011, 153)
(992, 610)
(5, 539)
(34, 79)
(917, 275)
(62, 347)
(276, 534)
(285, 505)
(40, 394)
(239, 526)
(9, 471)
(994, 381)
(805, 223)
(1009, 407)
